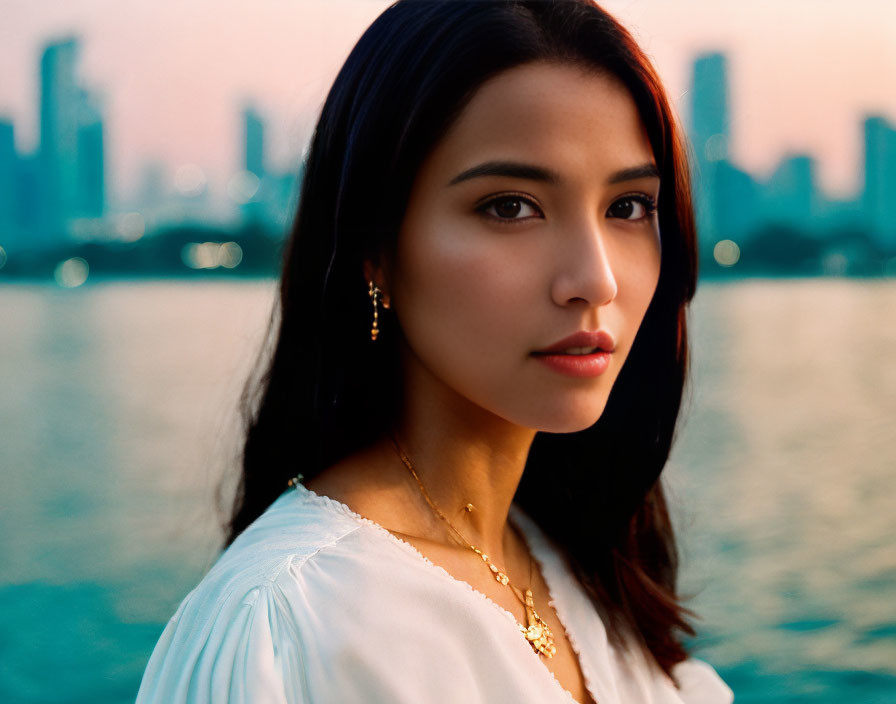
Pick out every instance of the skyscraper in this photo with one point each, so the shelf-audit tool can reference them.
(709, 134)
(71, 143)
(254, 142)
(255, 183)
(8, 168)
(59, 101)
(91, 159)
(791, 194)
(880, 178)
(710, 109)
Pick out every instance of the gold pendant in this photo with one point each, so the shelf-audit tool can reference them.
(538, 633)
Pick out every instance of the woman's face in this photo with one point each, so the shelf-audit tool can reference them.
(531, 220)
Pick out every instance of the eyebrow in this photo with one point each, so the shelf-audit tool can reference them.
(634, 173)
(532, 172)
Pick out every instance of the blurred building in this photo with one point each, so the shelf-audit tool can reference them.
(253, 130)
(249, 187)
(264, 196)
(791, 193)
(72, 164)
(735, 198)
(879, 192)
(710, 119)
(58, 193)
(8, 179)
(710, 137)
(91, 196)
(788, 211)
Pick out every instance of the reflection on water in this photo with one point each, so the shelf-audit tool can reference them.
(117, 405)
(786, 468)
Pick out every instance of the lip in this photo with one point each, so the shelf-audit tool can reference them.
(582, 338)
(580, 365)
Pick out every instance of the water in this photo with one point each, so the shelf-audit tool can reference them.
(117, 415)
(786, 471)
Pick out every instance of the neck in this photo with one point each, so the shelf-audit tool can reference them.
(461, 456)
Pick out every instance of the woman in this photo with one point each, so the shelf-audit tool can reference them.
(449, 488)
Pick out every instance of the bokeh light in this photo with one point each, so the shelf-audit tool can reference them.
(71, 272)
(243, 186)
(211, 255)
(190, 180)
(131, 226)
(726, 253)
(230, 254)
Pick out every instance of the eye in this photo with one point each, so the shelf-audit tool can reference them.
(509, 207)
(632, 207)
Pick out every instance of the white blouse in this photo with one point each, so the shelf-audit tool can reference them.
(315, 603)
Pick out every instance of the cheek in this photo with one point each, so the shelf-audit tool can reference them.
(458, 290)
(639, 273)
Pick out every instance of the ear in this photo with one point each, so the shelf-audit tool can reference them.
(376, 273)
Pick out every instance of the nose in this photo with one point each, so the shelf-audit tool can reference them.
(585, 272)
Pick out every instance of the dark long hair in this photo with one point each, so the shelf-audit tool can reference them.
(324, 390)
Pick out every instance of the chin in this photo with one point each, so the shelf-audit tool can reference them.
(569, 418)
(568, 427)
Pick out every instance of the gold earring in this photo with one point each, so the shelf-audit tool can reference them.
(374, 292)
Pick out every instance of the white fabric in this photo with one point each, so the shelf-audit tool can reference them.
(315, 604)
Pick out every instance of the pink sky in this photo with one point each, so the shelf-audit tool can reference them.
(174, 74)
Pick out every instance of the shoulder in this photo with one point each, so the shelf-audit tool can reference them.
(699, 683)
(236, 636)
(692, 681)
(275, 547)
(291, 531)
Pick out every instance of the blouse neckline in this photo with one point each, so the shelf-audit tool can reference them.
(537, 547)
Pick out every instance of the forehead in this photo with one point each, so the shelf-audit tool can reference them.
(560, 115)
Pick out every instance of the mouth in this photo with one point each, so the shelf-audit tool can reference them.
(572, 351)
(585, 353)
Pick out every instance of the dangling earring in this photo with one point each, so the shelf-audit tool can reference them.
(376, 295)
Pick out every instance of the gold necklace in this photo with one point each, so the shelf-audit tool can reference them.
(537, 631)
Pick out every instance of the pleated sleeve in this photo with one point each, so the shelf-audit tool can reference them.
(237, 648)
(700, 684)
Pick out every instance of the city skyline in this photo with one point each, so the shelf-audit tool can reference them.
(63, 188)
(735, 207)
(172, 73)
